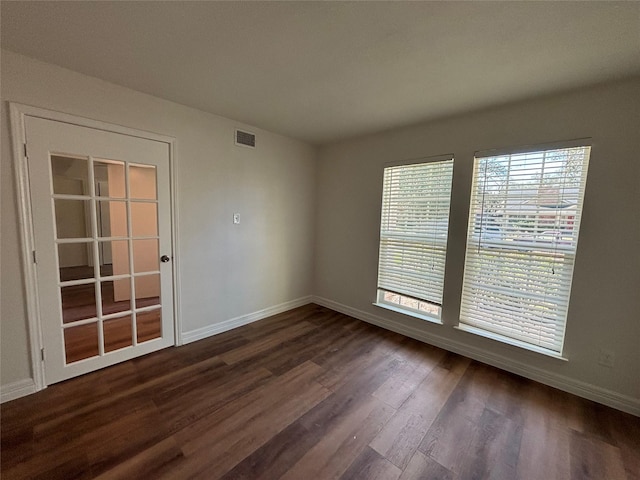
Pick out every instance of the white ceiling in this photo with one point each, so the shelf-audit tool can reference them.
(322, 71)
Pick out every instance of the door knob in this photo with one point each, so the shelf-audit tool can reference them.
(164, 258)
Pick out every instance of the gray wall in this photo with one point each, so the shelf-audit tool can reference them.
(226, 270)
(605, 301)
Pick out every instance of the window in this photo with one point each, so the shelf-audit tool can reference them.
(413, 236)
(521, 245)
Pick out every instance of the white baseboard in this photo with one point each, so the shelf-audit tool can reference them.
(209, 330)
(586, 390)
(18, 389)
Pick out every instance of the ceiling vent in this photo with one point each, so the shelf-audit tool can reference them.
(245, 139)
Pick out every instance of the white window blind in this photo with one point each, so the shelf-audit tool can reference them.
(413, 235)
(521, 244)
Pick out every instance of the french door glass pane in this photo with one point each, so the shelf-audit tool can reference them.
(81, 342)
(117, 333)
(78, 302)
(116, 296)
(72, 218)
(112, 218)
(142, 182)
(144, 219)
(146, 256)
(109, 179)
(70, 175)
(147, 290)
(73, 261)
(114, 257)
(149, 325)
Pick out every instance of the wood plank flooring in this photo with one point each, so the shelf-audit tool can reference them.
(312, 394)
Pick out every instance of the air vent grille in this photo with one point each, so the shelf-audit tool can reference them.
(246, 139)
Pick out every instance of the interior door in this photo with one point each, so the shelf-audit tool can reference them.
(102, 228)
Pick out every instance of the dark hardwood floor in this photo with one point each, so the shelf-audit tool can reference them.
(312, 394)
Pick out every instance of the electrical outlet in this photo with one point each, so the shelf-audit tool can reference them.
(236, 218)
(606, 358)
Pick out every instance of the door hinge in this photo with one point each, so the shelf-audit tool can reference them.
(42, 354)
(33, 253)
(25, 151)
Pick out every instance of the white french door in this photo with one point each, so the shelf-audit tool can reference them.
(102, 231)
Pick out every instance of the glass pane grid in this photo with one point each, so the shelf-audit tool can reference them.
(107, 238)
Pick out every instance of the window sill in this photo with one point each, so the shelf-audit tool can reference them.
(410, 313)
(511, 341)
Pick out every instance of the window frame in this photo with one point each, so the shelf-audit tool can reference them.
(380, 291)
(472, 223)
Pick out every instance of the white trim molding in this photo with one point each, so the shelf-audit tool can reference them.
(23, 194)
(209, 330)
(582, 389)
(175, 237)
(14, 390)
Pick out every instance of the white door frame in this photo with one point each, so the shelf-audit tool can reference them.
(18, 113)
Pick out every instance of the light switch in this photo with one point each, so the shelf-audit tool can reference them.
(236, 218)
